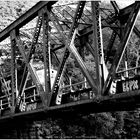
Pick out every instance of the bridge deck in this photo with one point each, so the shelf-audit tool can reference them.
(117, 102)
(69, 35)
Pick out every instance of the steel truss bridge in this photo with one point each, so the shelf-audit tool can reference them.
(68, 33)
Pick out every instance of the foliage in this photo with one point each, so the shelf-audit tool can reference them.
(100, 125)
(11, 10)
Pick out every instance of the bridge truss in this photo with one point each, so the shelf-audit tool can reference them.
(63, 65)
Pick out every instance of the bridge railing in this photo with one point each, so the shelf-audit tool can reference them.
(74, 92)
(129, 80)
(135, 70)
(29, 96)
(55, 37)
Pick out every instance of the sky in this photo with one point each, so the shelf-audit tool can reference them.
(122, 3)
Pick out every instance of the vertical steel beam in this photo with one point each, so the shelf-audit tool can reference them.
(46, 54)
(13, 69)
(96, 42)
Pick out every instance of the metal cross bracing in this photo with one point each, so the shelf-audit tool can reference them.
(67, 64)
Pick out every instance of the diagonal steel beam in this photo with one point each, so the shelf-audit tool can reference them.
(61, 32)
(25, 18)
(32, 49)
(90, 48)
(115, 6)
(83, 67)
(58, 62)
(110, 45)
(75, 53)
(30, 68)
(58, 26)
(127, 32)
(136, 31)
(77, 16)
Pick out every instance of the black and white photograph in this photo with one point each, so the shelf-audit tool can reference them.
(69, 69)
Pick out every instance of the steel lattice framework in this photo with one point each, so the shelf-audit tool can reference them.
(64, 34)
